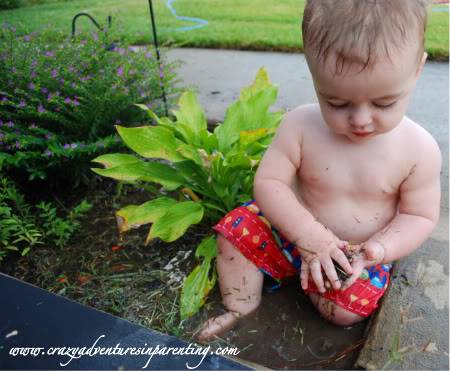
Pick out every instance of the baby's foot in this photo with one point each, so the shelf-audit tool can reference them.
(217, 325)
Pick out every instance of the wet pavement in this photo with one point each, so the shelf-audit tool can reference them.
(408, 331)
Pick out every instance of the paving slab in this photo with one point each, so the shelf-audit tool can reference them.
(415, 310)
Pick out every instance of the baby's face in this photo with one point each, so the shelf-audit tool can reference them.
(362, 105)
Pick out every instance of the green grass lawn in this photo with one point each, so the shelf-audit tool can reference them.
(236, 24)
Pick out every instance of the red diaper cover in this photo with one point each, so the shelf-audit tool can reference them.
(260, 242)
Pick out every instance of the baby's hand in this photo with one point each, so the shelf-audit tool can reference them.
(365, 255)
(318, 252)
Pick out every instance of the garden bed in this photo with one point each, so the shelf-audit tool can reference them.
(142, 284)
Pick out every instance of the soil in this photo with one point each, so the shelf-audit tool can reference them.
(122, 276)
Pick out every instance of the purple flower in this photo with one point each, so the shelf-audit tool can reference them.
(148, 55)
(73, 85)
(57, 93)
(66, 146)
(4, 99)
(161, 75)
(17, 144)
(41, 109)
(32, 126)
(33, 74)
(44, 90)
(118, 122)
(48, 153)
(71, 69)
(62, 81)
(49, 97)
(49, 54)
(13, 70)
(26, 38)
(10, 124)
(54, 73)
(67, 100)
(73, 145)
(120, 71)
(95, 36)
(31, 86)
(121, 51)
(75, 102)
(34, 64)
(142, 94)
(22, 103)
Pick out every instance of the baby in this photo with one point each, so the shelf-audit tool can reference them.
(348, 185)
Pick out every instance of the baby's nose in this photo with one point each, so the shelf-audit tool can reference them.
(360, 118)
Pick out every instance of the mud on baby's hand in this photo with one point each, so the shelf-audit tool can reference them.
(363, 256)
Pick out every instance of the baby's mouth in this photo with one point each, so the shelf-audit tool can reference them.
(362, 133)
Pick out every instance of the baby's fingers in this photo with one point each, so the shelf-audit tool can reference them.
(316, 272)
(341, 259)
(330, 271)
(304, 275)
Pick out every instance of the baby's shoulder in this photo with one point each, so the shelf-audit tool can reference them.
(418, 138)
(300, 118)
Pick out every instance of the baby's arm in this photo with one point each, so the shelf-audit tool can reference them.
(418, 212)
(274, 195)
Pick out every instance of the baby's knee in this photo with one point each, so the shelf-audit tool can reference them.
(335, 313)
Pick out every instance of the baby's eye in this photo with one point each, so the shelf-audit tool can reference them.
(337, 105)
(384, 105)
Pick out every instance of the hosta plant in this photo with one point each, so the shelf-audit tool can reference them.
(199, 174)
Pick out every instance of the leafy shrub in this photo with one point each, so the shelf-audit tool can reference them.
(61, 101)
(22, 226)
(212, 171)
(10, 4)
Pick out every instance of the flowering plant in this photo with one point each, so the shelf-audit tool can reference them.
(61, 101)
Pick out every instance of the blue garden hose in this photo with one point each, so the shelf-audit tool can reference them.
(201, 22)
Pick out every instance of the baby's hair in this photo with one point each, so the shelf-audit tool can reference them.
(361, 31)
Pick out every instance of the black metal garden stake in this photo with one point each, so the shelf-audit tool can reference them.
(155, 41)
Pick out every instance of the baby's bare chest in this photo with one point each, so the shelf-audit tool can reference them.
(332, 171)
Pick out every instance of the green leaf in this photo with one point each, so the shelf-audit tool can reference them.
(250, 112)
(191, 113)
(151, 142)
(25, 251)
(134, 216)
(207, 248)
(190, 153)
(261, 82)
(197, 285)
(156, 172)
(176, 221)
(247, 137)
(116, 159)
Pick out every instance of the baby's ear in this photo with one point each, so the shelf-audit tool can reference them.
(421, 64)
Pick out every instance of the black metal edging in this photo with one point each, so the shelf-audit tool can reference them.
(33, 317)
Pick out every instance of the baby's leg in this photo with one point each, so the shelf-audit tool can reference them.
(333, 312)
(240, 284)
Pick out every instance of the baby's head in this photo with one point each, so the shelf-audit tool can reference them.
(365, 57)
